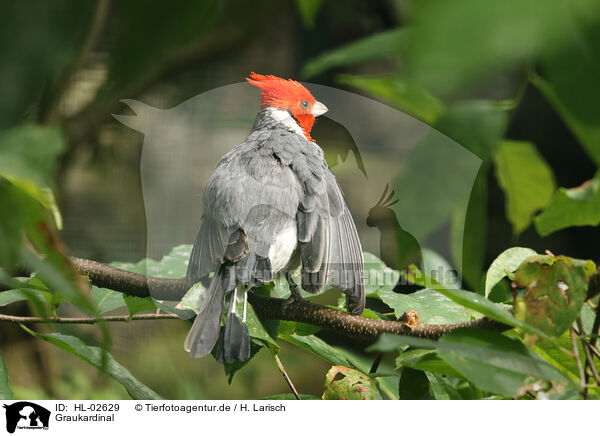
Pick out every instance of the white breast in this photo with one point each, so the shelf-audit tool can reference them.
(282, 249)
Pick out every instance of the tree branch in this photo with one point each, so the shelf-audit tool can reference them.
(305, 311)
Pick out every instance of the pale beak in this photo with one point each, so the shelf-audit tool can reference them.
(318, 109)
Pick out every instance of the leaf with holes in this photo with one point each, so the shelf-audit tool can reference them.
(342, 383)
(555, 289)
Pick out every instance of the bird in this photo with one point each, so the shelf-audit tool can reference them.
(398, 248)
(271, 206)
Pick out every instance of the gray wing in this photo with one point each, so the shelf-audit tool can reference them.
(250, 194)
(329, 245)
(209, 249)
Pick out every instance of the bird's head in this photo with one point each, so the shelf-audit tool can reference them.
(291, 96)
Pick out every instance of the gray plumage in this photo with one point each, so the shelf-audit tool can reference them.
(274, 186)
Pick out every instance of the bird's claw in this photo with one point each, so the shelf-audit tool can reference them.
(295, 292)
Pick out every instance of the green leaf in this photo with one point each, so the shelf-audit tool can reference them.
(5, 392)
(93, 356)
(400, 93)
(477, 125)
(432, 307)
(30, 152)
(22, 216)
(463, 136)
(494, 362)
(413, 385)
(389, 342)
(555, 289)
(317, 346)
(342, 383)
(256, 328)
(139, 305)
(479, 304)
(425, 180)
(383, 44)
(14, 295)
(508, 261)
(559, 353)
(568, 73)
(441, 388)
(452, 45)
(105, 300)
(172, 265)
(377, 274)
(231, 368)
(297, 328)
(289, 396)
(468, 233)
(587, 318)
(425, 360)
(440, 269)
(193, 298)
(58, 279)
(527, 181)
(587, 132)
(308, 11)
(578, 206)
(41, 194)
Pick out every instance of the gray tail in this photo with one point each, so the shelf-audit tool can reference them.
(234, 341)
(205, 331)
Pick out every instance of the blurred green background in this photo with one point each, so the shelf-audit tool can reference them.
(515, 82)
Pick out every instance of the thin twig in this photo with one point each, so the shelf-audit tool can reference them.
(594, 350)
(583, 387)
(589, 361)
(285, 376)
(90, 320)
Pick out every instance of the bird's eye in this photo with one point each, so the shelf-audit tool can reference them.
(304, 104)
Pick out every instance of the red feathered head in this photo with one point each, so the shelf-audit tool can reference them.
(288, 95)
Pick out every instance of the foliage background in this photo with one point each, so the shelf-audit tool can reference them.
(515, 82)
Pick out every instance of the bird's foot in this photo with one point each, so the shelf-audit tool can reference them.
(294, 290)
